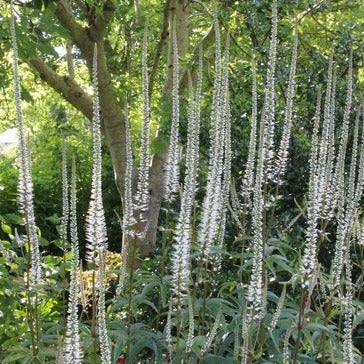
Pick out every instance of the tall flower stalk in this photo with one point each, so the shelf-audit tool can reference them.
(328, 207)
(25, 183)
(65, 211)
(326, 186)
(96, 226)
(345, 207)
(142, 194)
(65, 199)
(73, 350)
(128, 206)
(208, 226)
(324, 162)
(248, 180)
(181, 258)
(268, 113)
(309, 261)
(282, 155)
(211, 208)
(183, 234)
(353, 195)
(340, 161)
(226, 177)
(172, 167)
(351, 198)
(255, 288)
(255, 294)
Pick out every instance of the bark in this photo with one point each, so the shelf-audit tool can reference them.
(65, 86)
(69, 58)
(159, 48)
(146, 246)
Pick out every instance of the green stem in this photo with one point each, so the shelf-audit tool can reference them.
(130, 297)
(64, 283)
(162, 272)
(260, 333)
(93, 318)
(242, 252)
(178, 325)
(303, 299)
(33, 318)
(30, 318)
(322, 346)
(199, 278)
(205, 286)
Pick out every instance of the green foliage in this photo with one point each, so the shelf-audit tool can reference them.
(137, 319)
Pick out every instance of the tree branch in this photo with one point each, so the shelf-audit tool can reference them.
(65, 86)
(77, 32)
(310, 10)
(103, 20)
(69, 59)
(158, 52)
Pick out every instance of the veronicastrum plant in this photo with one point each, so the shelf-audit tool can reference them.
(227, 284)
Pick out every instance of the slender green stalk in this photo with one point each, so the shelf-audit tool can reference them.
(303, 298)
(93, 313)
(178, 326)
(162, 269)
(129, 311)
